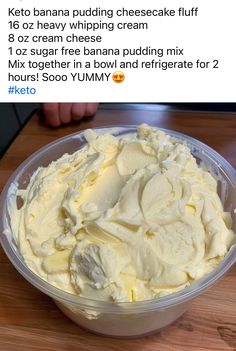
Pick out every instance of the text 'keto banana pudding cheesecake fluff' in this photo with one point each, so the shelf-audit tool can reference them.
(123, 219)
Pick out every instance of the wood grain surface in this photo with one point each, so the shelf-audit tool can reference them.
(30, 321)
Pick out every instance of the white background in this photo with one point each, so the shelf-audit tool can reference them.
(209, 36)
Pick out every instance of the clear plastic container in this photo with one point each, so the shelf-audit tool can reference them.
(130, 319)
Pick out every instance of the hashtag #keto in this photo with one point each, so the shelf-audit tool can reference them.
(14, 90)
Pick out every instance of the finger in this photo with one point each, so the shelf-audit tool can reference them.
(65, 112)
(78, 111)
(51, 114)
(91, 109)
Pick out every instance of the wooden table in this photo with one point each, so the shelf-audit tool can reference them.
(30, 321)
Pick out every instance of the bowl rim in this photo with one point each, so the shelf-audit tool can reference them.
(77, 301)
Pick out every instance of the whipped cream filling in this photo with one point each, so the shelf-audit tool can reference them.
(123, 219)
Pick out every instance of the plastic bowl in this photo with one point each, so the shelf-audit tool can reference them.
(130, 319)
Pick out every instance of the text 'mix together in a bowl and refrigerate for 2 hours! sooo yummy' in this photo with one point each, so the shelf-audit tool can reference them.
(123, 219)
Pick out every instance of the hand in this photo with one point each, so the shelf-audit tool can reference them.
(56, 114)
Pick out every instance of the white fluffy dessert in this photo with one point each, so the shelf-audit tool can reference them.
(123, 219)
